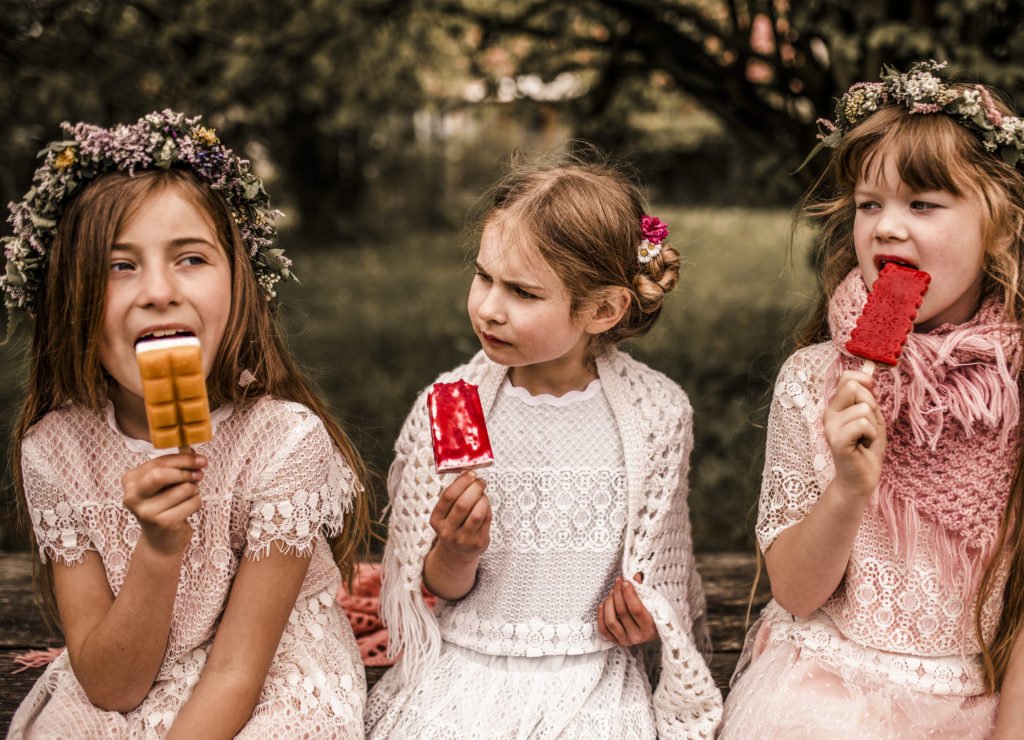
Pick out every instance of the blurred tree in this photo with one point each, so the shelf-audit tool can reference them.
(765, 68)
(323, 89)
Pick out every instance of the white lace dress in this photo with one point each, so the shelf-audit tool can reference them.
(273, 477)
(521, 655)
(893, 652)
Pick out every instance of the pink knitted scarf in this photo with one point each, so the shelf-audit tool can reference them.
(952, 408)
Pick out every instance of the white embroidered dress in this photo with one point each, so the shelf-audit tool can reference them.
(892, 653)
(274, 477)
(520, 655)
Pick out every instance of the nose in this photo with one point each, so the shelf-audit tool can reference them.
(891, 225)
(491, 308)
(159, 288)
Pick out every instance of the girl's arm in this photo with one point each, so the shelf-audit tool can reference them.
(116, 645)
(807, 561)
(1010, 719)
(262, 598)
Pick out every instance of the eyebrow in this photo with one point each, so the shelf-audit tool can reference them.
(183, 241)
(527, 286)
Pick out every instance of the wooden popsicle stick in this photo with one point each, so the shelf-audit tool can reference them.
(185, 450)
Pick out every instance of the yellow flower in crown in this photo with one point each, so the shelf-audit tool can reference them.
(65, 159)
(205, 135)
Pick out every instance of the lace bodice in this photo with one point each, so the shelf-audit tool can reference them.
(558, 499)
(885, 601)
(274, 477)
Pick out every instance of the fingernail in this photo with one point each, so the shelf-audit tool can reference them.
(200, 460)
(197, 475)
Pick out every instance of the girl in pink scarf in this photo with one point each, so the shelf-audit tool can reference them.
(890, 502)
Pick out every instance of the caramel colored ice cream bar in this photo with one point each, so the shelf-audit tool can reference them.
(174, 389)
(457, 427)
(888, 317)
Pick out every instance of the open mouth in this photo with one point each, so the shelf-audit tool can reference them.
(157, 334)
(881, 262)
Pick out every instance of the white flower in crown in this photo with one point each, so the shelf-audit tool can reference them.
(648, 251)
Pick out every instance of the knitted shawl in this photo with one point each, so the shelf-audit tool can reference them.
(654, 419)
(952, 413)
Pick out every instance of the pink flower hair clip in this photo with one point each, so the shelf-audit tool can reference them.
(654, 231)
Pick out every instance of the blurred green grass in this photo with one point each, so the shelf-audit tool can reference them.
(374, 323)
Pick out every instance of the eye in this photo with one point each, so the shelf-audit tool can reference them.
(922, 205)
(483, 276)
(194, 259)
(121, 266)
(522, 293)
(867, 205)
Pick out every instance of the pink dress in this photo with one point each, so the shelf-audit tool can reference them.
(893, 653)
(274, 477)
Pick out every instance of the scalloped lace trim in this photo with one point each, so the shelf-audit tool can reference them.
(546, 399)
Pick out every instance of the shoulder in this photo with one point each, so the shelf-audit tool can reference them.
(476, 371)
(62, 428)
(647, 386)
(274, 422)
(803, 372)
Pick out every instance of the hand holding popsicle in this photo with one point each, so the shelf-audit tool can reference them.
(162, 493)
(461, 519)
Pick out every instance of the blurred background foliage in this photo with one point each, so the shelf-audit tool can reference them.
(377, 123)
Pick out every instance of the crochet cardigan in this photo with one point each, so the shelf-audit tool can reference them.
(654, 419)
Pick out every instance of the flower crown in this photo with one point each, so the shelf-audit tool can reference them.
(924, 90)
(654, 231)
(159, 140)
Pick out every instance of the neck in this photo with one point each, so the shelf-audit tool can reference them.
(555, 379)
(129, 412)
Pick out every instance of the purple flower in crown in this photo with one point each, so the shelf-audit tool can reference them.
(654, 229)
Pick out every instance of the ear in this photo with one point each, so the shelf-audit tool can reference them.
(611, 306)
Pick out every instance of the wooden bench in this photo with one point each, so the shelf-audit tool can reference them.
(727, 580)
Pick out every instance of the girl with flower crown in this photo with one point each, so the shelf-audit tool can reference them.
(556, 566)
(891, 504)
(195, 588)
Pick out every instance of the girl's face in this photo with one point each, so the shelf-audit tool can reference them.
(168, 274)
(937, 232)
(520, 311)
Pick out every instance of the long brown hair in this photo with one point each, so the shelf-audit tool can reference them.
(583, 213)
(64, 363)
(933, 152)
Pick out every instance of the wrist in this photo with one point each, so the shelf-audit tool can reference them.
(454, 558)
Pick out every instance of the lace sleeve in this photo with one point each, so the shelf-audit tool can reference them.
(796, 459)
(305, 484)
(59, 527)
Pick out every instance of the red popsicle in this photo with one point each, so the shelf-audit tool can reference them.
(888, 316)
(457, 427)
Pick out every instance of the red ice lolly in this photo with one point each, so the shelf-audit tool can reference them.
(457, 427)
(888, 316)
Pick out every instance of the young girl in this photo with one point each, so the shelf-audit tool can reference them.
(196, 589)
(883, 494)
(574, 547)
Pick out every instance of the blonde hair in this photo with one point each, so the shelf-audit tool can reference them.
(65, 365)
(583, 215)
(934, 152)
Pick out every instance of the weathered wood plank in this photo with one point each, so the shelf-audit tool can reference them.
(727, 580)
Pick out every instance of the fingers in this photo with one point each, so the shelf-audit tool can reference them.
(462, 504)
(153, 476)
(462, 517)
(622, 617)
(455, 489)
